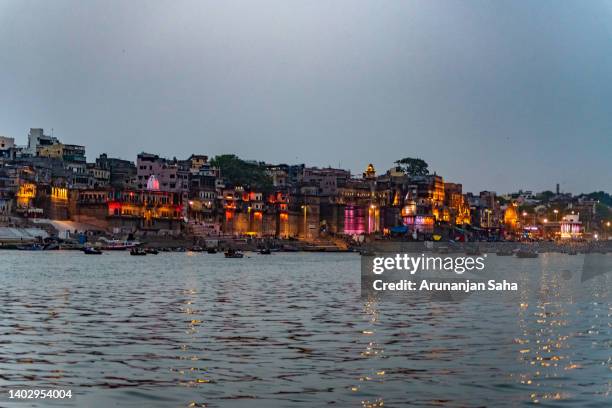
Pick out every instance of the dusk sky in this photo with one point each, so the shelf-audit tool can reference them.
(497, 95)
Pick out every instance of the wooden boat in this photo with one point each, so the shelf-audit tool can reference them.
(31, 247)
(118, 245)
(91, 251)
(232, 253)
(523, 253)
(137, 252)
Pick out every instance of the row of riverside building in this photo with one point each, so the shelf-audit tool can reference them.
(50, 179)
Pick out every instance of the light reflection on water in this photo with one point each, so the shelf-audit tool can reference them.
(283, 330)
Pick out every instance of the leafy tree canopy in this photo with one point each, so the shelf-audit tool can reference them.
(545, 195)
(413, 166)
(602, 196)
(242, 173)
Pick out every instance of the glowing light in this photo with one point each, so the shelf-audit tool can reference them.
(27, 190)
(153, 183)
(58, 193)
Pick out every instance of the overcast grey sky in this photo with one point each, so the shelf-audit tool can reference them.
(496, 95)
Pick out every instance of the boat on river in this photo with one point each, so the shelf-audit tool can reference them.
(137, 252)
(265, 251)
(152, 251)
(31, 247)
(91, 251)
(118, 244)
(525, 253)
(232, 253)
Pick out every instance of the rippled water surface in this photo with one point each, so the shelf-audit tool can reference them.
(192, 329)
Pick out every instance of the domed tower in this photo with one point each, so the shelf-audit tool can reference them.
(370, 172)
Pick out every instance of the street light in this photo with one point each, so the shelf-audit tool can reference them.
(556, 212)
(306, 234)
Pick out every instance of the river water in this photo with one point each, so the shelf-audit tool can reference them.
(193, 329)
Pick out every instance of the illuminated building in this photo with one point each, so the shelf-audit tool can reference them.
(373, 219)
(25, 195)
(354, 220)
(370, 172)
(511, 217)
(420, 223)
(59, 194)
(457, 209)
(171, 176)
(152, 183)
(571, 226)
(147, 209)
(428, 192)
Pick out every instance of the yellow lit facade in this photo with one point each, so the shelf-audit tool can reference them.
(511, 217)
(59, 193)
(25, 194)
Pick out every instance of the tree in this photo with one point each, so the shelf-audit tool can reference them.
(545, 196)
(601, 196)
(241, 173)
(413, 167)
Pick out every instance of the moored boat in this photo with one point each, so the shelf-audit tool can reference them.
(232, 253)
(137, 252)
(91, 251)
(211, 250)
(524, 253)
(118, 245)
(196, 248)
(31, 247)
(265, 251)
(152, 251)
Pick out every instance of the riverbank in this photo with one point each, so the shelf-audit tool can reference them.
(384, 246)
